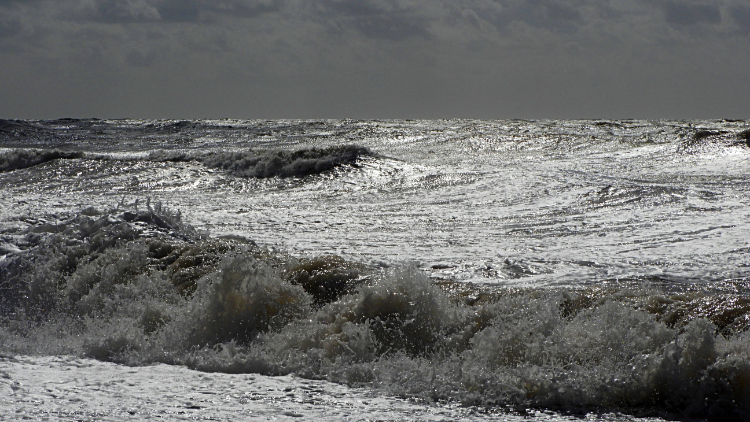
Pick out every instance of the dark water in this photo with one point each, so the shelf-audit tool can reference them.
(578, 266)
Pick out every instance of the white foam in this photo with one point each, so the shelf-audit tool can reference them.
(64, 388)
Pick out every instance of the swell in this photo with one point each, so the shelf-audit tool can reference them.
(23, 158)
(251, 163)
(137, 285)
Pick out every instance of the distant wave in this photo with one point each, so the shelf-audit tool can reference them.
(281, 163)
(703, 139)
(175, 127)
(18, 128)
(22, 132)
(24, 158)
(744, 136)
(251, 163)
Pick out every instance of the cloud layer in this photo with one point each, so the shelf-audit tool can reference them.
(375, 58)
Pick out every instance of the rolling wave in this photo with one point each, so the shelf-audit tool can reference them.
(701, 140)
(249, 163)
(23, 158)
(271, 163)
(281, 163)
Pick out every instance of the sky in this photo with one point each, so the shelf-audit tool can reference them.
(375, 59)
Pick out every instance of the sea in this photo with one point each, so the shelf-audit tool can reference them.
(375, 270)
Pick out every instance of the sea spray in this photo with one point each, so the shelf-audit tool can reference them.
(141, 287)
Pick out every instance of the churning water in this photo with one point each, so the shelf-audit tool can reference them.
(370, 270)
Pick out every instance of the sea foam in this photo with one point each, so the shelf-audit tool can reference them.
(140, 287)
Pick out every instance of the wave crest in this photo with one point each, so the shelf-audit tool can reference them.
(702, 140)
(24, 158)
(281, 163)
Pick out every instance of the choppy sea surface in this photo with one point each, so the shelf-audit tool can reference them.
(374, 270)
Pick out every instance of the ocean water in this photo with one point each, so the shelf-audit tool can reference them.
(374, 270)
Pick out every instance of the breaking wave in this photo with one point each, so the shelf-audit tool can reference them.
(281, 163)
(700, 140)
(138, 285)
(271, 163)
(250, 163)
(24, 158)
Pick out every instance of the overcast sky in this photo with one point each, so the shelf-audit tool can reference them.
(375, 58)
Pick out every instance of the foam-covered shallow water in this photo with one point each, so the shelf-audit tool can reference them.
(70, 388)
(474, 269)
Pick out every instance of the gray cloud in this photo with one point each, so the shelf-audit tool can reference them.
(9, 26)
(195, 10)
(741, 15)
(127, 11)
(551, 14)
(391, 20)
(685, 13)
(247, 8)
(140, 58)
(181, 10)
(390, 27)
(166, 11)
(6, 3)
(373, 58)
